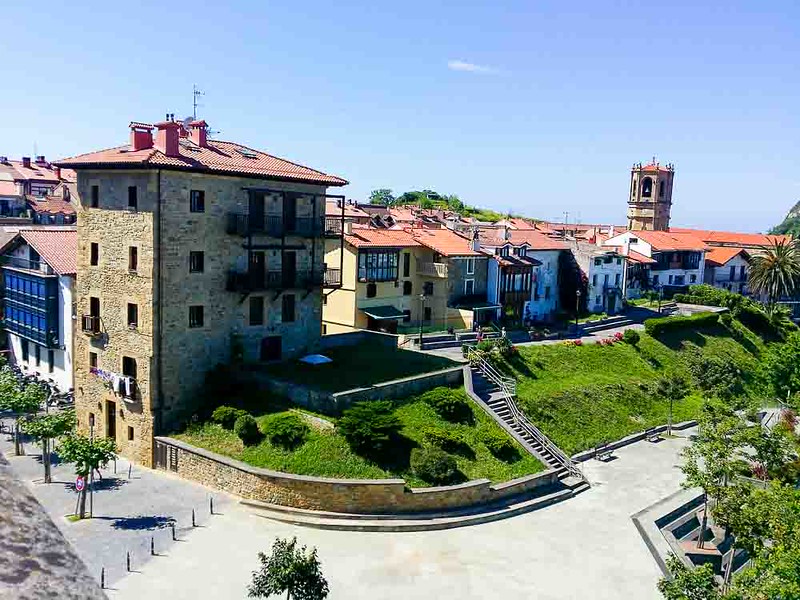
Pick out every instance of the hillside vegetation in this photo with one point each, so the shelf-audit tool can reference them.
(791, 224)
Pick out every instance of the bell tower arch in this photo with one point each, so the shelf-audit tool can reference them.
(650, 199)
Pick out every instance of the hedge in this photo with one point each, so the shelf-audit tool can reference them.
(656, 327)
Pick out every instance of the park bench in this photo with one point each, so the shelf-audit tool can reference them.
(603, 452)
(651, 435)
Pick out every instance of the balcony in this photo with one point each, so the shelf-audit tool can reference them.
(15, 262)
(274, 225)
(333, 226)
(90, 324)
(432, 269)
(254, 281)
(333, 278)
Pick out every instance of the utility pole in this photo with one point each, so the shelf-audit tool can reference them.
(196, 93)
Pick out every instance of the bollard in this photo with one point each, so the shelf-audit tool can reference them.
(152, 546)
(193, 523)
(129, 471)
(174, 539)
(103, 578)
(128, 561)
(211, 503)
(115, 466)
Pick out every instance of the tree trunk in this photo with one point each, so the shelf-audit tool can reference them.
(703, 524)
(46, 459)
(82, 502)
(16, 437)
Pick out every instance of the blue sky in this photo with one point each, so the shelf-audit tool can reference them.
(532, 107)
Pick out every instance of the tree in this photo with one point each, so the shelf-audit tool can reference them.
(369, 426)
(48, 427)
(672, 389)
(381, 196)
(289, 569)
(775, 272)
(782, 366)
(87, 454)
(686, 583)
(20, 401)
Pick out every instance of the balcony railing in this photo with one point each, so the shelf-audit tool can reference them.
(253, 281)
(16, 262)
(90, 324)
(432, 269)
(274, 225)
(333, 278)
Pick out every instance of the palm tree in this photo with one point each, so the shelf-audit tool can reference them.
(776, 272)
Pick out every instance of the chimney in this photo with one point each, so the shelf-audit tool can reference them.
(167, 138)
(3, 160)
(475, 243)
(41, 161)
(26, 162)
(199, 133)
(348, 228)
(141, 136)
(506, 233)
(57, 172)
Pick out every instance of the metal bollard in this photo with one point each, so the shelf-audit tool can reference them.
(174, 539)
(193, 523)
(115, 466)
(152, 546)
(103, 578)
(128, 561)
(211, 503)
(129, 471)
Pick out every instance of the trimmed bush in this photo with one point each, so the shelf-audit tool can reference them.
(450, 404)
(631, 336)
(449, 441)
(433, 465)
(368, 427)
(286, 430)
(227, 416)
(656, 327)
(246, 428)
(501, 447)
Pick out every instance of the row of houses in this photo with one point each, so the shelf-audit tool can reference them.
(36, 190)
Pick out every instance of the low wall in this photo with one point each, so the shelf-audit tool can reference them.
(333, 403)
(359, 496)
(360, 336)
(632, 438)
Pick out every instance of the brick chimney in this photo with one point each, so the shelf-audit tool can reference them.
(475, 242)
(167, 138)
(41, 161)
(26, 162)
(57, 172)
(199, 133)
(141, 136)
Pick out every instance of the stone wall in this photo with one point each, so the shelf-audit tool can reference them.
(337, 495)
(357, 337)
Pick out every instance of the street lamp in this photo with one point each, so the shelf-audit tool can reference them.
(577, 308)
(91, 471)
(660, 296)
(421, 313)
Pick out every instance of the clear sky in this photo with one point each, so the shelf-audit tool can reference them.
(533, 107)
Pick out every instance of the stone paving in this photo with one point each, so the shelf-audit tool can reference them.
(584, 548)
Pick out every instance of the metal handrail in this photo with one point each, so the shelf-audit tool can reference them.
(508, 389)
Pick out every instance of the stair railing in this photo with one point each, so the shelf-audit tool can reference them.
(508, 389)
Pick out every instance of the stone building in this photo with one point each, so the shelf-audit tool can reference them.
(191, 252)
(650, 199)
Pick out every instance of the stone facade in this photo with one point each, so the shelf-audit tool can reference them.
(171, 357)
(359, 496)
(650, 198)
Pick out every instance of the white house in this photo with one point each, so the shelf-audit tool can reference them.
(39, 266)
(727, 268)
(604, 269)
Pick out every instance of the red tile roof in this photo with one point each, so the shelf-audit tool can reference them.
(43, 173)
(517, 237)
(220, 157)
(669, 240)
(363, 237)
(731, 237)
(641, 259)
(655, 167)
(332, 209)
(58, 247)
(50, 204)
(8, 188)
(718, 256)
(445, 242)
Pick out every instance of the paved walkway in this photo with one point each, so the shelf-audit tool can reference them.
(586, 547)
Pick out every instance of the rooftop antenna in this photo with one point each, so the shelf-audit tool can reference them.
(196, 93)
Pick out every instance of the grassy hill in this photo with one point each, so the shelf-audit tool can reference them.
(791, 224)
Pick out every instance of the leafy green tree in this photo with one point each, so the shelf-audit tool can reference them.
(686, 583)
(782, 366)
(369, 427)
(775, 272)
(49, 427)
(87, 454)
(20, 401)
(289, 569)
(381, 196)
(672, 389)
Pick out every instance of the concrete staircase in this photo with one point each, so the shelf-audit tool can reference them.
(447, 340)
(609, 323)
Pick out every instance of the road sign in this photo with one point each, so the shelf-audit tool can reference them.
(79, 483)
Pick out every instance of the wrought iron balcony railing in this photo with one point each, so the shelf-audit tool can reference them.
(254, 281)
(274, 225)
(90, 324)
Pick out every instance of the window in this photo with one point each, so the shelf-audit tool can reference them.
(51, 359)
(95, 196)
(655, 279)
(470, 266)
(407, 288)
(469, 287)
(594, 280)
(742, 273)
(547, 292)
(129, 366)
(619, 261)
(378, 265)
(598, 262)
(597, 300)
(523, 251)
(428, 313)
(197, 201)
(406, 264)
(679, 279)
(94, 254)
(605, 280)
(733, 274)
(133, 201)
(133, 315)
(195, 316)
(693, 278)
(256, 310)
(93, 360)
(617, 279)
(130, 433)
(287, 308)
(504, 251)
(37, 354)
(94, 306)
(515, 251)
(670, 279)
(535, 292)
(133, 259)
(634, 241)
(427, 288)
(324, 299)
(197, 261)
(647, 187)
(372, 290)
(324, 329)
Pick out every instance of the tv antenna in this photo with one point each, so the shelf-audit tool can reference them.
(196, 93)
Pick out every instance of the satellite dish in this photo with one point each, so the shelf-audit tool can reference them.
(186, 123)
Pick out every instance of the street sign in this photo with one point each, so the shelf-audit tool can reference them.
(79, 483)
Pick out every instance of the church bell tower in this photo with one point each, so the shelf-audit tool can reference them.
(650, 196)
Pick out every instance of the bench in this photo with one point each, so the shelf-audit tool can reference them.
(603, 452)
(651, 435)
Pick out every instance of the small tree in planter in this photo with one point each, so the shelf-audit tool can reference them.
(49, 427)
(20, 401)
(289, 569)
(87, 454)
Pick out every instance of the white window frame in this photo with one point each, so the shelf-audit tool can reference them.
(470, 266)
(467, 281)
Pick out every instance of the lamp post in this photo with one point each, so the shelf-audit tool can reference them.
(421, 313)
(577, 308)
(91, 471)
(660, 296)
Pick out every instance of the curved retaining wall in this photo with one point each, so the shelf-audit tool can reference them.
(364, 496)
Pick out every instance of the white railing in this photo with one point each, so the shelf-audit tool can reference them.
(432, 269)
(508, 389)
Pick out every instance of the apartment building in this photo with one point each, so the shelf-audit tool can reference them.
(191, 252)
(604, 269)
(39, 266)
(26, 186)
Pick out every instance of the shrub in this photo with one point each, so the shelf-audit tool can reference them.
(287, 430)
(449, 404)
(631, 336)
(714, 374)
(227, 416)
(756, 320)
(726, 319)
(485, 346)
(449, 441)
(656, 327)
(501, 447)
(247, 429)
(369, 426)
(433, 465)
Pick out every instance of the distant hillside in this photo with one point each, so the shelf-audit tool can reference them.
(791, 224)
(430, 199)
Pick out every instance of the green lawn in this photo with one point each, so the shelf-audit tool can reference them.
(327, 454)
(357, 366)
(581, 396)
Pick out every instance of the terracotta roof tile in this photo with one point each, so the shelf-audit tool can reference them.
(58, 247)
(380, 238)
(445, 242)
(50, 204)
(731, 237)
(332, 209)
(536, 240)
(669, 240)
(720, 255)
